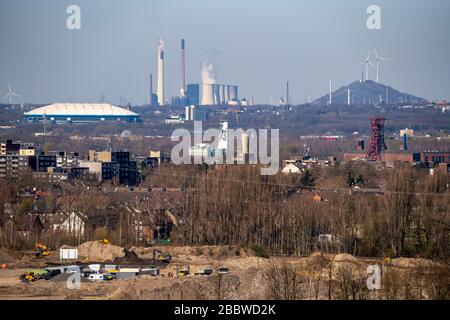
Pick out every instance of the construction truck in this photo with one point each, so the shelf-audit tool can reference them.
(161, 257)
(34, 275)
(42, 250)
(104, 242)
(204, 272)
(184, 271)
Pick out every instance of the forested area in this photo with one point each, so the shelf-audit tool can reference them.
(234, 205)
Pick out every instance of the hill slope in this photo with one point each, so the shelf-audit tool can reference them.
(368, 92)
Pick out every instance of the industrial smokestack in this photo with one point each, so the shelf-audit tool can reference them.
(348, 96)
(331, 89)
(151, 89)
(287, 92)
(183, 72)
(160, 89)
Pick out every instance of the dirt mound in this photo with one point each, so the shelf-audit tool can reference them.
(195, 253)
(94, 251)
(345, 264)
(123, 293)
(344, 257)
(247, 263)
(317, 259)
(411, 263)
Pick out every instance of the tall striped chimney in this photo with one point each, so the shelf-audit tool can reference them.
(183, 72)
(160, 88)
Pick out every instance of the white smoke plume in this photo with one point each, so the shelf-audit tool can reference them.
(209, 73)
(161, 45)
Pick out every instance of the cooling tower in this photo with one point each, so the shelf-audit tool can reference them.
(207, 94)
(221, 94)
(226, 97)
(216, 94)
(233, 93)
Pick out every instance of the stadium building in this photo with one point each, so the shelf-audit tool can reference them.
(80, 112)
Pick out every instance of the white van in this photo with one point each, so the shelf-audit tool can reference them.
(95, 277)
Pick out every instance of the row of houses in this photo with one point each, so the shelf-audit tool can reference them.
(298, 165)
(149, 222)
(19, 158)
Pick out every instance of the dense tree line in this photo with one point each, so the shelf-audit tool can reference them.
(235, 205)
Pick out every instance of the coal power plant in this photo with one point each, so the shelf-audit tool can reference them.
(218, 94)
(207, 94)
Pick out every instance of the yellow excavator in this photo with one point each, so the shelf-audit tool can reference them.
(42, 250)
(104, 241)
(161, 257)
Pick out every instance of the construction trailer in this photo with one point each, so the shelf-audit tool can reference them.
(66, 253)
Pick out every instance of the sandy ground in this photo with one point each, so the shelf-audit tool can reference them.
(246, 279)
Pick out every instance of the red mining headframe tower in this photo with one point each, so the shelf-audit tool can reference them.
(377, 144)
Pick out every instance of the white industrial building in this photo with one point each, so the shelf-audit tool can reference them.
(81, 112)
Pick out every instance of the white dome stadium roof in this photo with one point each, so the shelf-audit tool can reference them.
(81, 109)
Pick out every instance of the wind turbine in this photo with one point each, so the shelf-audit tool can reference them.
(363, 72)
(378, 59)
(10, 94)
(367, 63)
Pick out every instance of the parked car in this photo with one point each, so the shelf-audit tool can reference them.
(95, 276)
(52, 273)
(108, 277)
(87, 272)
(224, 270)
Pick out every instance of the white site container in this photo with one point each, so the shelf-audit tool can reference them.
(135, 270)
(94, 267)
(68, 254)
(110, 267)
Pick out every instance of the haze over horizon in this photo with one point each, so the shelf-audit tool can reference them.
(255, 44)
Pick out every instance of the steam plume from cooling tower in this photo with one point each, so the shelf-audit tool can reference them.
(209, 74)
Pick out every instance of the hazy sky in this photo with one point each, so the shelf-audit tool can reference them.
(256, 44)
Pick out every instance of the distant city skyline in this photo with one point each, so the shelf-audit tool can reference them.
(255, 44)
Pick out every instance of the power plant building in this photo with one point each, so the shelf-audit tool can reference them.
(193, 94)
(218, 94)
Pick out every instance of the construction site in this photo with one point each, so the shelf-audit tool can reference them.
(100, 270)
